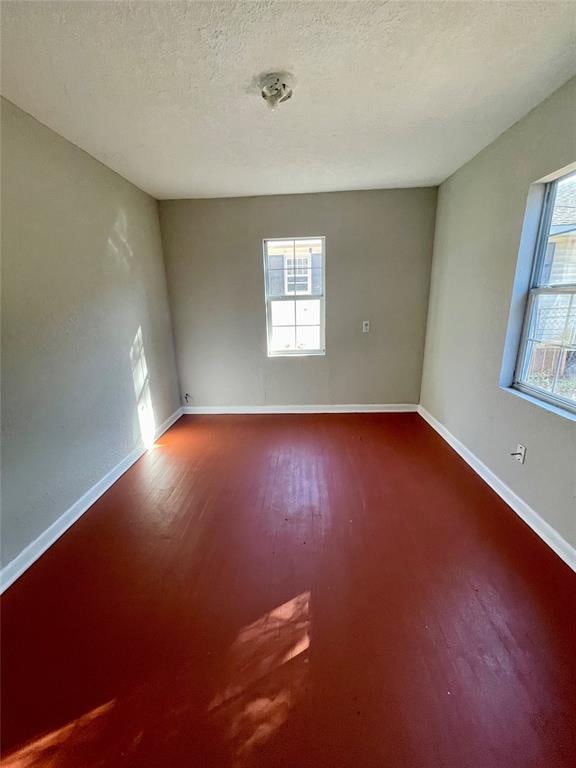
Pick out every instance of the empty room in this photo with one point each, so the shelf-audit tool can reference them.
(288, 384)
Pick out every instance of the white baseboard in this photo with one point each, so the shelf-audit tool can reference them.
(36, 548)
(548, 534)
(352, 408)
(167, 424)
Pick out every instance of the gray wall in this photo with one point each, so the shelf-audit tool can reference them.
(81, 272)
(479, 222)
(378, 252)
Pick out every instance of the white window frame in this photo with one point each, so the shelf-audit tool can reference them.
(538, 288)
(296, 296)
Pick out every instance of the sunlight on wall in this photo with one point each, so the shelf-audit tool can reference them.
(264, 676)
(141, 379)
(118, 244)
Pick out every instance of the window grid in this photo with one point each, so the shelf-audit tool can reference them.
(302, 287)
(546, 366)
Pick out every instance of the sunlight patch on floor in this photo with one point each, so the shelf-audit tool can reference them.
(264, 676)
(52, 749)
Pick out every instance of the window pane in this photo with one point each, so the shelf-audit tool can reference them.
(276, 282)
(550, 362)
(277, 254)
(283, 312)
(279, 248)
(294, 267)
(298, 281)
(282, 338)
(559, 267)
(305, 247)
(308, 312)
(540, 366)
(552, 318)
(565, 385)
(308, 337)
(552, 369)
(317, 287)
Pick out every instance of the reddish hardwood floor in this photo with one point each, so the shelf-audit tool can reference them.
(331, 591)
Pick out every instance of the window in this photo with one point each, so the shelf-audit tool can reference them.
(294, 284)
(546, 366)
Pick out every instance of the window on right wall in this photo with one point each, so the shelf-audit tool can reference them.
(546, 365)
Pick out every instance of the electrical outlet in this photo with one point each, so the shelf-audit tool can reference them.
(520, 453)
(365, 326)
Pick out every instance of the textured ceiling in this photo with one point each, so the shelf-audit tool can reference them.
(388, 93)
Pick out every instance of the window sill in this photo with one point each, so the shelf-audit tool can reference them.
(319, 353)
(541, 403)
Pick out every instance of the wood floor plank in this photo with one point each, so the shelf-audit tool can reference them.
(332, 591)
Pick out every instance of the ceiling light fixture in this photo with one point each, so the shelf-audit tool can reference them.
(276, 87)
